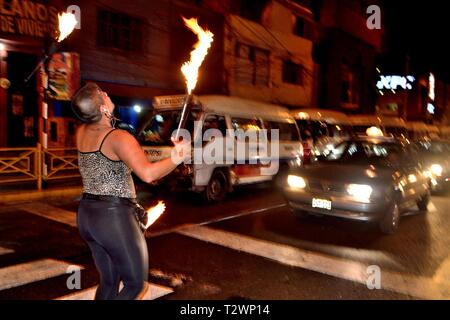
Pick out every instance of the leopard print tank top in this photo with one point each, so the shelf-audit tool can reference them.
(103, 176)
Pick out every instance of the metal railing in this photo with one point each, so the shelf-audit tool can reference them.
(37, 164)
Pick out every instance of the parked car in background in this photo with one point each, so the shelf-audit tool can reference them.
(320, 129)
(417, 130)
(390, 126)
(435, 157)
(362, 178)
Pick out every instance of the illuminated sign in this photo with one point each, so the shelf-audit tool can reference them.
(395, 82)
(27, 18)
(431, 81)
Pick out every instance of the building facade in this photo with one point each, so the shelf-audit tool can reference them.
(345, 55)
(25, 29)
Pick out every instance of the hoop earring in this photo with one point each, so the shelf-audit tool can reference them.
(111, 118)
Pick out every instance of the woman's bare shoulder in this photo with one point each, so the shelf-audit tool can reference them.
(123, 136)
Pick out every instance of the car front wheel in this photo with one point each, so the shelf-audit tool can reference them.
(391, 220)
(217, 187)
(422, 203)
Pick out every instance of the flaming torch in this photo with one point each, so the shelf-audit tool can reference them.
(191, 67)
(67, 23)
(154, 213)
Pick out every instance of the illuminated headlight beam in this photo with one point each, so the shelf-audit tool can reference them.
(296, 182)
(436, 169)
(360, 192)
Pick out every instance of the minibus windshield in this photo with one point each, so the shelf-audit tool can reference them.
(159, 129)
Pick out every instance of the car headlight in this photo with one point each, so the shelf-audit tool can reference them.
(360, 192)
(436, 169)
(296, 182)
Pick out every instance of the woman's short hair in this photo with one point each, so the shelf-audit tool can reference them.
(86, 103)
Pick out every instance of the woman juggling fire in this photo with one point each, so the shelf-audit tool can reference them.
(106, 215)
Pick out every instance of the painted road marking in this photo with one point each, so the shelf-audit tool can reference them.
(51, 212)
(431, 207)
(26, 273)
(221, 219)
(5, 251)
(443, 273)
(154, 291)
(69, 217)
(419, 287)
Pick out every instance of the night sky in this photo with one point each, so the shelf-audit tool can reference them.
(420, 29)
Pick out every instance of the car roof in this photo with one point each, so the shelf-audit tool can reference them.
(329, 116)
(374, 139)
(233, 106)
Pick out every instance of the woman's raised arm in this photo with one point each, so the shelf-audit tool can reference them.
(131, 153)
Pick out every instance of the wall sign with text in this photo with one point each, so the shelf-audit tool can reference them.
(27, 18)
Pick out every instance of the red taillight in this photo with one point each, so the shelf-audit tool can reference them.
(306, 153)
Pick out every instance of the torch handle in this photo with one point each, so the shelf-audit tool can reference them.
(184, 116)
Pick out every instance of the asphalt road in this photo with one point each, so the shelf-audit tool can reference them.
(248, 247)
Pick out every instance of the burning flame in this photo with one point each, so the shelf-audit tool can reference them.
(67, 23)
(154, 213)
(190, 68)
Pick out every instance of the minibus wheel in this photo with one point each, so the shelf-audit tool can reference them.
(217, 187)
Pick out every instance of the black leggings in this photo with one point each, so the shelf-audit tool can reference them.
(118, 247)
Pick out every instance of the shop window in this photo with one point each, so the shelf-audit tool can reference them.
(119, 31)
(252, 65)
(293, 73)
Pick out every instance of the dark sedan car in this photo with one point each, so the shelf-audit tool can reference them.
(365, 179)
(435, 157)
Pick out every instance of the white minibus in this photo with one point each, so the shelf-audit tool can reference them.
(235, 151)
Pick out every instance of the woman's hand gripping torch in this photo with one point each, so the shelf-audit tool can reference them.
(190, 68)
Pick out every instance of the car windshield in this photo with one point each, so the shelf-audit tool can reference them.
(365, 152)
(316, 130)
(159, 129)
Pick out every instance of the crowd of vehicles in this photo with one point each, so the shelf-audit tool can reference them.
(368, 168)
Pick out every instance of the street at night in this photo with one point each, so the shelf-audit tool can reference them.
(194, 153)
(250, 247)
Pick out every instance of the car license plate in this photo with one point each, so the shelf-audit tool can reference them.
(321, 203)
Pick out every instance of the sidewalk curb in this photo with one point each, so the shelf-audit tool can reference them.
(39, 195)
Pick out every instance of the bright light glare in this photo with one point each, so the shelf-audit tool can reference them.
(2, 47)
(296, 182)
(436, 169)
(67, 22)
(412, 178)
(137, 108)
(360, 192)
(374, 132)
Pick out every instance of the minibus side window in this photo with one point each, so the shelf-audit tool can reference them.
(287, 131)
(245, 125)
(215, 122)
